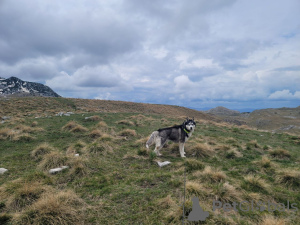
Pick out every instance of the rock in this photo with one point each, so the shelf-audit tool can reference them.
(76, 155)
(161, 164)
(60, 114)
(3, 170)
(66, 114)
(5, 117)
(56, 170)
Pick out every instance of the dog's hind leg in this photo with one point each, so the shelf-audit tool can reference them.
(152, 139)
(181, 150)
(158, 146)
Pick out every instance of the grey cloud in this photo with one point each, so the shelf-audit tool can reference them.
(38, 31)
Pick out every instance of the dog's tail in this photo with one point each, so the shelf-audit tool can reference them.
(152, 138)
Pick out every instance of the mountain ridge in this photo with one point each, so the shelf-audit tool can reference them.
(14, 86)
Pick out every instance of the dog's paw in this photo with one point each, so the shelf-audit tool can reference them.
(183, 156)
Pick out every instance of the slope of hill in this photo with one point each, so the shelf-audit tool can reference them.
(275, 120)
(116, 180)
(222, 111)
(41, 107)
(14, 86)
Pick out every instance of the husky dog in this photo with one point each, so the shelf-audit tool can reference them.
(179, 134)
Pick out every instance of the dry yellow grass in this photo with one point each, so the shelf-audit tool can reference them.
(99, 147)
(225, 192)
(257, 182)
(128, 133)
(280, 153)
(211, 175)
(20, 194)
(166, 203)
(7, 133)
(79, 128)
(271, 220)
(42, 150)
(64, 207)
(289, 177)
(23, 137)
(125, 122)
(201, 150)
(34, 124)
(52, 160)
(78, 166)
(70, 125)
(95, 133)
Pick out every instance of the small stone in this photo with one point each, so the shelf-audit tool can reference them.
(3, 170)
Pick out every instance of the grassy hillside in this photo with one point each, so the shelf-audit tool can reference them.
(115, 180)
(279, 120)
(42, 106)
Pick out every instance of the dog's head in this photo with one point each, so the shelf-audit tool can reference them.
(189, 124)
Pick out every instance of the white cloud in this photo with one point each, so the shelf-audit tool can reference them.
(200, 51)
(284, 95)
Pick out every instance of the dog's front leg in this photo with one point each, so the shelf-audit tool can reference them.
(181, 150)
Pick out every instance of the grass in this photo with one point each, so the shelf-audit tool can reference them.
(116, 180)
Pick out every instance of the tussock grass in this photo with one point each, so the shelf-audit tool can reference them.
(233, 153)
(78, 147)
(23, 137)
(94, 118)
(7, 133)
(201, 150)
(142, 141)
(212, 175)
(194, 188)
(224, 148)
(128, 133)
(64, 207)
(193, 164)
(225, 192)
(265, 162)
(271, 220)
(70, 125)
(24, 128)
(41, 150)
(280, 153)
(79, 128)
(106, 137)
(74, 127)
(255, 183)
(52, 160)
(125, 122)
(289, 177)
(78, 166)
(99, 147)
(95, 133)
(143, 151)
(166, 203)
(102, 125)
(27, 129)
(252, 144)
(34, 124)
(20, 194)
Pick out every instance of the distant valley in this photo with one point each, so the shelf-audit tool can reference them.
(276, 120)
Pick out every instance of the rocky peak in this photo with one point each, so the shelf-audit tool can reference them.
(14, 86)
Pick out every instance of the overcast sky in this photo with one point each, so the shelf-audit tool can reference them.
(197, 53)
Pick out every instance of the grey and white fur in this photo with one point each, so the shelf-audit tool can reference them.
(178, 134)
